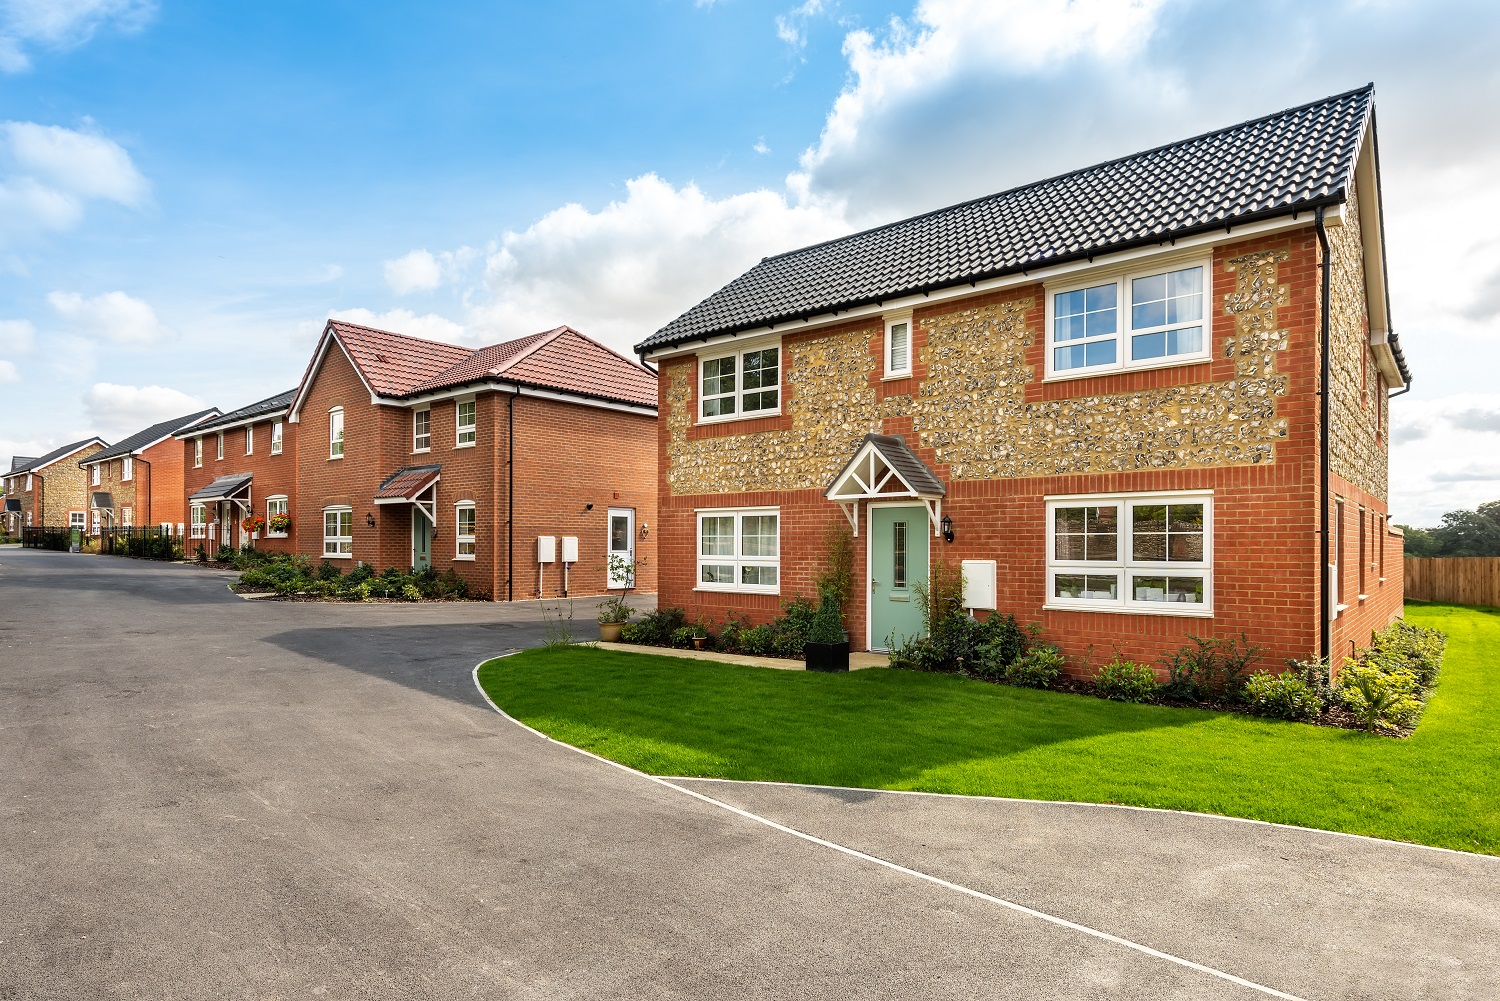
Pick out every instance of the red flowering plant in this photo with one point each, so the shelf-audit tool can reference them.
(254, 523)
(280, 523)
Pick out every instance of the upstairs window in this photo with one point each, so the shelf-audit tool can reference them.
(28, 482)
(127, 468)
(1140, 320)
(249, 439)
(197, 452)
(898, 347)
(336, 433)
(421, 431)
(95, 474)
(220, 453)
(276, 437)
(468, 423)
(744, 384)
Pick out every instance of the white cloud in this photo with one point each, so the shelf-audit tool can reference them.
(113, 316)
(48, 174)
(61, 25)
(115, 411)
(16, 336)
(9, 372)
(791, 27)
(422, 270)
(624, 270)
(761, 147)
(1442, 455)
(404, 321)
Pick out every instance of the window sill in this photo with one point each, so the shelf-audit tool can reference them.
(469, 444)
(421, 451)
(1100, 373)
(731, 418)
(1364, 598)
(738, 590)
(896, 376)
(338, 556)
(276, 535)
(463, 559)
(275, 451)
(1114, 609)
(335, 458)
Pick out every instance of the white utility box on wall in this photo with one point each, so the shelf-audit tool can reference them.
(546, 549)
(570, 549)
(979, 584)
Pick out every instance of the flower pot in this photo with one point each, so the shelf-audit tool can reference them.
(699, 642)
(609, 632)
(828, 657)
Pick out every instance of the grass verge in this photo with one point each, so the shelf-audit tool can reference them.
(902, 730)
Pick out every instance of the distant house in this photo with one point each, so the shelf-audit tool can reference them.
(137, 481)
(10, 492)
(1099, 393)
(238, 465)
(522, 466)
(49, 490)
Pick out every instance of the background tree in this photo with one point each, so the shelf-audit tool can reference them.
(1462, 533)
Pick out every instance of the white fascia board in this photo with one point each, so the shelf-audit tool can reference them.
(80, 448)
(1332, 217)
(469, 390)
(269, 415)
(294, 412)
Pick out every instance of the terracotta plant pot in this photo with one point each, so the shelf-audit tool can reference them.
(699, 642)
(609, 632)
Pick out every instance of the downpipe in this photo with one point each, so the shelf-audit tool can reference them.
(1325, 611)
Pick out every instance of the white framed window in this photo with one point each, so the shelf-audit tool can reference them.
(336, 433)
(275, 506)
(77, 519)
(467, 423)
(338, 532)
(198, 521)
(98, 521)
(465, 536)
(421, 430)
(127, 468)
(94, 475)
(219, 451)
(249, 439)
(127, 517)
(743, 384)
(1148, 553)
(740, 550)
(277, 435)
(1142, 319)
(197, 453)
(28, 482)
(897, 346)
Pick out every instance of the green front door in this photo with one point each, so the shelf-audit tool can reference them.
(898, 563)
(421, 540)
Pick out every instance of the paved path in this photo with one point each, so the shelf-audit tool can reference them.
(204, 797)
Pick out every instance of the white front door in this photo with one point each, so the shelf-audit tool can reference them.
(621, 544)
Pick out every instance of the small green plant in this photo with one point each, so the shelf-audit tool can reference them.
(362, 591)
(655, 628)
(614, 609)
(941, 595)
(827, 625)
(1126, 681)
(1283, 696)
(410, 592)
(1038, 667)
(1209, 667)
(1379, 699)
(759, 641)
(557, 626)
(837, 576)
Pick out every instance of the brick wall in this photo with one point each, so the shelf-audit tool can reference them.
(273, 476)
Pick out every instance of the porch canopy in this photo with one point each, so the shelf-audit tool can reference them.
(101, 501)
(12, 505)
(885, 468)
(235, 489)
(415, 485)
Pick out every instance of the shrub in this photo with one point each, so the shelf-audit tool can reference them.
(682, 637)
(732, 630)
(1402, 646)
(410, 592)
(941, 595)
(1315, 674)
(1378, 698)
(225, 554)
(655, 628)
(792, 627)
(327, 571)
(1209, 666)
(1038, 667)
(1126, 681)
(1284, 696)
(614, 609)
(759, 641)
(361, 591)
(828, 624)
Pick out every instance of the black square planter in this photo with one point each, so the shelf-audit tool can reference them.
(828, 657)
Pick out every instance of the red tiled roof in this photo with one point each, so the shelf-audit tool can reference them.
(406, 482)
(561, 359)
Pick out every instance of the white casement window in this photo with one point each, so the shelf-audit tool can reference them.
(127, 517)
(336, 433)
(127, 468)
(98, 522)
(77, 519)
(197, 453)
(1145, 319)
(1131, 553)
(249, 439)
(277, 434)
(338, 532)
(94, 476)
(897, 346)
(28, 482)
(466, 521)
(219, 453)
(198, 521)
(468, 423)
(739, 550)
(274, 506)
(744, 384)
(421, 430)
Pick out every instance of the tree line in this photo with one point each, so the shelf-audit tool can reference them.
(1462, 533)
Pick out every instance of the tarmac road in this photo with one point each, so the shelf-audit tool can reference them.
(207, 797)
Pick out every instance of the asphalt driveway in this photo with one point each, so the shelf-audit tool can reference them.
(205, 797)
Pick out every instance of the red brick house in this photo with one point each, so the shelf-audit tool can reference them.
(521, 465)
(1098, 392)
(138, 480)
(240, 464)
(50, 491)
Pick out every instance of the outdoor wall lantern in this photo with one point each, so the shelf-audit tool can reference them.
(645, 530)
(369, 520)
(947, 527)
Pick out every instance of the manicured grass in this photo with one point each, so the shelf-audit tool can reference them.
(902, 730)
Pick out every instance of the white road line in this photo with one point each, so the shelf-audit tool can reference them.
(895, 867)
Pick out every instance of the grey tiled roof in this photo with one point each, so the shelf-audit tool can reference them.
(42, 462)
(20, 462)
(1292, 160)
(270, 405)
(222, 487)
(147, 436)
(899, 456)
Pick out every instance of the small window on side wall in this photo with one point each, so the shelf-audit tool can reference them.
(468, 423)
(197, 452)
(421, 431)
(465, 536)
(277, 434)
(898, 346)
(336, 433)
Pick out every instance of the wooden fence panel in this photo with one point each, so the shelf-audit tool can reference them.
(1462, 580)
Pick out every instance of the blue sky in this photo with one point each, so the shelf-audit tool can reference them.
(188, 189)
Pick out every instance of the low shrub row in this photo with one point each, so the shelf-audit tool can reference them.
(786, 635)
(297, 577)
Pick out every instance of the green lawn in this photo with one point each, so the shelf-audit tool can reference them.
(902, 730)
